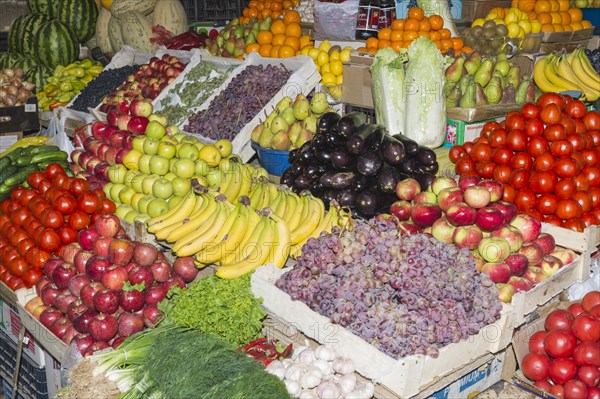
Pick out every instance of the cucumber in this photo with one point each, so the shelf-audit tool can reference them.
(20, 176)
(4, 190)
(43, 149)
(23, 160)
(50, 156)
(13, 155)
(44, 164)
(8, 172)
(4, 162)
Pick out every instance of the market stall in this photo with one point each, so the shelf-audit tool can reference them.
(304, 199)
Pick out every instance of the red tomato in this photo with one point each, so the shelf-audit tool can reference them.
(576, 109)
(589, 375)
(589, 219)
(594, 193)
(565, 167)
(491, 126)
(559, 343)
(67, 183)
(525, 199)
(457, 152)
(502, 156)
(577, 141)
(49, 240)
(593, 393)
(28, 196)
(578, 158)
(102, 195)
(79, 186)
(516, 140)
(502, 173)
(555, 131)
(581, 183)
(58, 179)
(562, 369)
(561, 148)
(481, 152)
(568, 123)
(530, 111)
(592, 120)
(573, 224)
(17, 266)
(568, 209)
(465, 166)
(543, 162)
(551, 219)
(542, 182)
(15, 283)
(550, 114)
(592, 173)
(519, 178)
(584, 200)
(20, 215)
(16, 238)
(537, 146)
(580, 126)
(89, 203)
(521, 160)
(595, 135)
(543, 385)
(590, 300)
(40, 258)
(591, 156)
(565, 188)
(67, 234)
(497, 138)
(44, 186)
(551, 98)
(515, 121)
(536, 343)
(35, 178)
(485, 169)
(586, 328)
(587, 353)
(535, 366)
(575, 309)
(52, 219)
(534, 127)
(509, 193)
(108, 207)
(65, 204)
(546, 203)
(53, 169)
(31, 277)
(575, 390)
(12, 206)
(24, 246)
(79, 220)
(16, 193)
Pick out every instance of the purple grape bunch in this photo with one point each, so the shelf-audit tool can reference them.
(243, 98)
(404, 294)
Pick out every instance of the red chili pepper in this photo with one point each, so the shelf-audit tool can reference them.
(56, 104)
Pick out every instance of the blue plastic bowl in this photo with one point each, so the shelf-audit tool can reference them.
(275, 162)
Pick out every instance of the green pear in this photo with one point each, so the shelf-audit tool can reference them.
(266, 24)
(230, 44)
(283, 104)
(299, 98)
(266, 138)
(251, 38)
(301, 109)
(281, 141)
(279, 124)
(310, 124)
(288, 115)
(303, 137)
(294, 131)
(318, 103)
(256, 132)
(269, 119)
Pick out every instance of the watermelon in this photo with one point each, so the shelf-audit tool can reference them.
(80, 16)
(26, 63)
(2, 57)
(29, 29)
(14, 36)
(46, 7)
(55, 44)
(38, 75)
(10, 60)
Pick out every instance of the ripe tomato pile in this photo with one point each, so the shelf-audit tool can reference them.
(548, 158)
(37, 222)
(564, 359)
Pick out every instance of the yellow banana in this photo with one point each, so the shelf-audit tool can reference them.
(190, 245)
(292, 206)
(165, 231)
(592, 85)
(310, 223)
(565, 70)
(257, 257)
(195, 220)
(273, 192)
(234, 254)
(587, 66)
(326, 224)
(246, 176)
(276, 202)
(540, 78)
(301, 212)
(235, 186)
(256, 194)
(281, 207)
(180, 212)
(280, 253)
(561, 81)
(265, 198)
(258, 172)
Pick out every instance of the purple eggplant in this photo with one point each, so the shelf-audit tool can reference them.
(293, 155)
(327, 122)
(410, 146)
(424, 179)
(319, 142)
(288, 177)
(387, 180)
(369, 164)
(329, 195)
(350, 123)
(342, 180)
(342, 160)
(302, 182)
(347, 197)
(392, 150)
(323, 156)
(326, 179)
(357, 143)
(426, 156)
(361, 183)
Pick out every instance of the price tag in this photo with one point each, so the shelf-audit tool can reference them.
(30, 107)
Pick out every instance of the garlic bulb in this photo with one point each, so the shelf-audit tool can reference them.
(343, 365)
(307, 356)
(362, 391)
(328, 390)
(277, 369)
(293, 372)
(324, 366)
(347, 383)
(306, 394)
(293, 388)
(310, 378)
(325, 352)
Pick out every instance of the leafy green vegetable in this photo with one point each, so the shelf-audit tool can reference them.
(387, 77)
(224, 307)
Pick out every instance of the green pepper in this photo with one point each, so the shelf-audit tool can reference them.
(86, 63)
(77, 72)
(95, 70)
(65, 97)
(53, 80)
(78, 86)
(66, 86)
(51, 90)
(58, 71)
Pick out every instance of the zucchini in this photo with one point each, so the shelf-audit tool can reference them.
(8, 172)
(20, 176)
(50, 156)
(4, 163)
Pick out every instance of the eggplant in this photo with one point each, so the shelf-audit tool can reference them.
(410, 146)
(369, 164)
(316, 188)
(350, 123)
(329, 195)
(293, 155)
(342, 160)
(334, 140)
(356, 143)
(312, 171)
(319, 142)
(323, 156)
(347, 197)
(375, 140)
(361, 183)
(328, 121)
(392, 150)
(342, 180)
(425, 156)
(424, 179)
(407, 165)
(288, 177)
(387, 180)
(297, 168)
(366, 202)
(432, 169)
(305, 155)
(302, 182)
(326, 178)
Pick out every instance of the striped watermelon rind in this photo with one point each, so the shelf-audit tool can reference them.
(80, 16)
(10, 60)
(38, 75)
(55, 44)
(29, 29)
(26, 64)
(14, 35)
(46, 7)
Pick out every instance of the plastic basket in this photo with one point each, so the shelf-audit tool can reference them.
(369, 112)
(275, 162)
(213, 10)
(32, 379)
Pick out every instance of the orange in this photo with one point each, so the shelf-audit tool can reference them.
(278, 27)
(416, 13)
(424, 25)
(436, 22)
(576, 14)
(467, 49)
(423, 33)
(265, 13)
(567, 28)
(292, 42)
(411, 24)
(245, 12)
(457, 43)
(547, 28)
(532, 15)
(576, 25)
(501, 12)
(435, 35)
(293, 29)
(372, 42)
(554, 5)
(286, 52)
(362, 49)
(566, 18)
(445, 33)
(305, 40)
(542, 6)
(253, 13)
(558, 28)
(287, 5)
(265, 50)
(438, 44)
(396, 35)
(372, 51)
(385, 33)
(410, 35)
(276, 7)
(274, 52)
(556, 18)
(398, 24)
(252, 48)
(384, 43)
(278, 39)
(291, 16)
(446, 44)
(252, 4)
(407, 43)
(264, 37)
(544, 18)
(563, 5)
(396, 45)
(586, 24)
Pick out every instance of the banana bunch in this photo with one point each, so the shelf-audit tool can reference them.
(233, 179)
(563, 72)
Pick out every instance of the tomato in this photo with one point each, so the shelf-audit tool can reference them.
(16, 193)
(590, 300)
(39, 258)
(544, 385)
(577, 140)
(44, 186)
(537, 146)
(108, 207)
(559, 319)
(67, 183)
(481, 152)
(28, 196)
(584, 200)
(19, 236)
(581, 183)
(484, 169)
(591, 156)
(536, 343)
(31, 277)
(551, 98)
(575, 389)
(53, 169)
(550, 114)
(568, 123)
(516, 140)
(595, 135)
(509, 193)
(79, 186)
(565, 167)
(589, 375)
(565, 188)
(546, 203)
(58, 179)
(497, 138)
(559, 343)
(587, 353)
(102, 195)
(589, 219)
(551, 219)
(568, 209)
(52, 219)
(576, 109)
(20, 215)
(48, 240)
(580, 127)
(35, 178)
(465, 166)
(502, 156)
(65, 204)
(67, 234)
(17, 266)
(542, 182)
(561, 148)
(586, 328)
(562, 369)
(519, 178)
(521, 160)
(15, 283)
(530, 111)
(575, 309)
(10, 255)
(514, 121)
(578, 158)
(24, 245)
(89, 203)
(536, 366)
(79, 220)
(54, 193)
(491, 126)
(534, 128)
(457, 152)
(592, 173)
(593, 393)
(12, 206)
(592, 120)
(525, 199)
(555, 132)
(10, 230)
(502, 173)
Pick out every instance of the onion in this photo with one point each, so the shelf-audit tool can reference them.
(8, 72)
(23, 96)
(17, 83)
(12, 90)
(3, 93)
(28, 85)
(18, 72)
(9, 100)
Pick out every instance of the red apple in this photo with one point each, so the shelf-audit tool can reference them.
(535, 275)
(489, 219)
(89, 291)
(495, 188)
(518, 263)
(546, 242)
(401, 209)
(129, 324)
(449, 196)
(510, 234)
(508, 210)
(505, 292)
(566, 256)
(407, 189)
(440, 183)
(106, 301)
(528, 226)
(498, 272)
(550, 264)
(443, 231)
(425, 197)
(477, 197)
(467, 237)
(533, 252)
(465, 182)
(460, 214)
(520, 283)
(103, 327)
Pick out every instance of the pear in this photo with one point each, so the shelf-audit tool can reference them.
(269, 119)
(281, 141)
(279, 124)
(230, 44)
(250, 38)
(318, 103)
(299, 98)
(310, 124)
(238, 32)
(283, 104)
(455, 71)
(502, 65)
(221, 41)
(266, 24)
(301, 109)
(467, 100)
(265, 138)
(294, 131)
(303, 137)
(240, 48)
(256, 133)
(288, 115)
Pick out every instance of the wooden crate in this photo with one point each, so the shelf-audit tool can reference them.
(473, 9)
(588, 241)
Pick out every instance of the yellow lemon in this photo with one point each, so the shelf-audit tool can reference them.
(499, 21)
(335, 55)
(313, 53)
(325, 45)
(322, 58)
(536, 26)
(491, 16)
(513, 29)
(511, 17)
(345, 55)
(304, 51)
(328, 78)
(210, 154)
(335, 91)
(521, 33)
(340, 79)
(478, 22)
(336, 67)
(325, 68)
(526, 25)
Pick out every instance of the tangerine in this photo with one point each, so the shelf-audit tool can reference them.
(416, 13)
(372, 42)
(576, 14)
(293, 42)
(278, 39)
(411, 24)
(398, 24)
(436, 22)
(445, 33)
(286, 51)
(291, 16)
(385, 33)
(252, 48)
(278, 27)
(293, 29)
(265, 50)
(264, 37)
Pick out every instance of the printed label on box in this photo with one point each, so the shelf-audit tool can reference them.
(30, 107)
(7, 140)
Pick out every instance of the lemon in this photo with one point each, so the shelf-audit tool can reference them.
(526, 25)
(210, 154)
(325, 45)
(325, 68)
(511, 17)
(313, 53)
(499, 21)
(491, 16)
(521, 32)
(328, 78)
(304, 50)
(345, 55)
(513, 29)
(225, 147)
(536, 26)
(340, 79)
(335, 55)
(336, 67)
(478, 22)
(335, 91)
(322, 58)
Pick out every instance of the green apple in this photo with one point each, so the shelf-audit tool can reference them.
(138, 143)
(151, 146)
(189, 139)
(122, 210)
(174, 201)
(201, 168)
(157, 207)
(143, 203)
(179, 136)
(129, 176)
(172, 130)
(144, 164)
(137, 181)
(116, 173)
(157, 118)
(155, 130)
(199, 145)
(135, 201)
(187, 150)
(184, 168)
(214, 177)
(166, 149)
(131, 215)
(162, 188)
(169, 139)
(170, 176)
(181, 186)
(107, 188)
(115, 190)
(126, 195)
(172, 164)
(132, 159)
(142, 218)
(148, 182)
(159, 165)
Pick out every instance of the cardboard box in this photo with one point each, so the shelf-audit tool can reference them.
(8, 139)
(356, 88)
(473, 9)
(459, 132)
(24, 118)
(10, 324)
